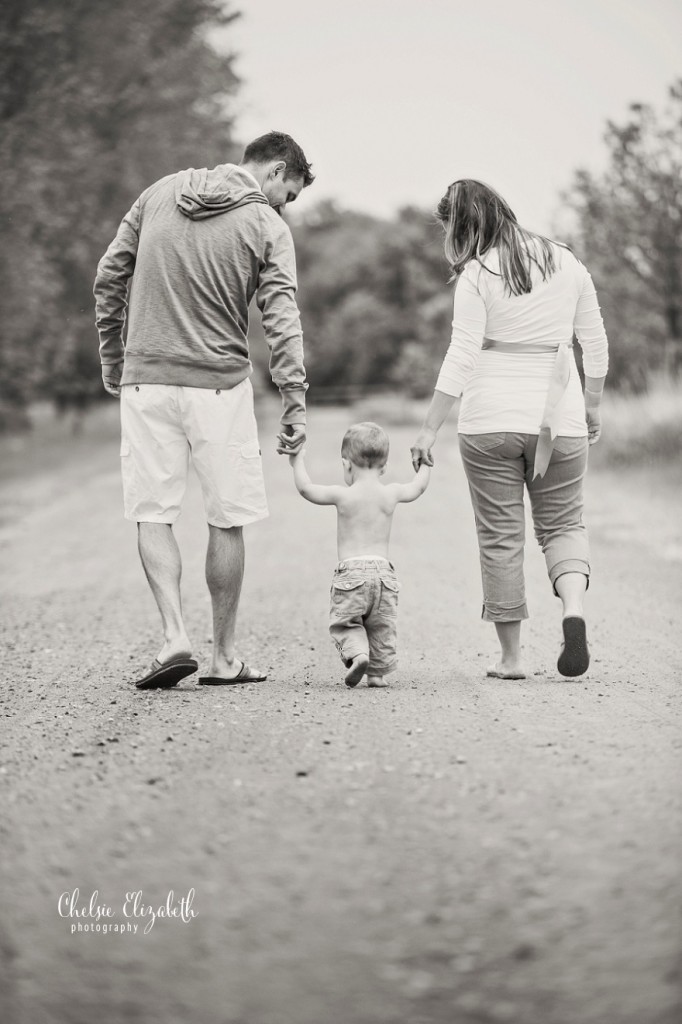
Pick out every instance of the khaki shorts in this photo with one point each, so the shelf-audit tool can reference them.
(161, 425)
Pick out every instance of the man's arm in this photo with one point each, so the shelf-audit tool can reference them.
(276, 299)
(111, 296)
(417, 486)
(319, 494)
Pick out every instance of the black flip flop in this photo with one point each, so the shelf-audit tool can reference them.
(162, 677)
(575, 655)
(245, 675)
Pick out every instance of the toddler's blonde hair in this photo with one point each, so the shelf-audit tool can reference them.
(366, 445)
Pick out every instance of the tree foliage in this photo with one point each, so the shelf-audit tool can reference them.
(630, 236)
(374, 302)
(97, 100)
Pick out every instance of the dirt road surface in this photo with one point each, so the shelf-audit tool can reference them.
(450, 850)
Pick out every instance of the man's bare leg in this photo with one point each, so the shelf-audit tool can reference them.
(161, 562)
(224, 575)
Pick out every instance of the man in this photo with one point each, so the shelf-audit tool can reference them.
(199, 245)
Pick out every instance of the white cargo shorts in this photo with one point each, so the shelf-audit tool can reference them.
(162, 425)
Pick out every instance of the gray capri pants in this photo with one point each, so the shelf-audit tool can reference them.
(498, 466)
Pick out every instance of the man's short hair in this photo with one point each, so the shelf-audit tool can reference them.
(365, 444)
(278, 146)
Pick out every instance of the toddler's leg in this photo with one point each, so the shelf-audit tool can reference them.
(382, 636)
(348, 631)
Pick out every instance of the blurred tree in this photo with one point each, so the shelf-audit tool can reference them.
(97, 100)
(368, 291)
(630, 234)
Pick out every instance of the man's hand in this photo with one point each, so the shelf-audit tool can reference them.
(421, 449)
(593, 417)
(111, 378)
(291, 439)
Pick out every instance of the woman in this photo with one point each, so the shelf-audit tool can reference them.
(519, 299)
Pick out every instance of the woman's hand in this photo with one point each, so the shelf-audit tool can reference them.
(421, 449)
(593, 417)
(594, 388)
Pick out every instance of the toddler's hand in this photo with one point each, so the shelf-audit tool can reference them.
(291, 438)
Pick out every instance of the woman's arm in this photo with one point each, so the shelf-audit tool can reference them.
(589, 329)
(469, 318)
(594, 388)
(468, 329)
(437, 413)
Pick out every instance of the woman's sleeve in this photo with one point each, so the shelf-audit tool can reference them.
(468, 330)
(589, 329)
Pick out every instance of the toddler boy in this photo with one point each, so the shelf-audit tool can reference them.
(364, 594)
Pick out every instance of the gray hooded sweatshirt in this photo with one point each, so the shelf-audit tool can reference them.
(199, 245)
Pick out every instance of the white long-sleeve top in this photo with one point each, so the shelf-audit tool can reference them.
(506, 391)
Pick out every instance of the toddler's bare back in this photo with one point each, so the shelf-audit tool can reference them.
(364, 518)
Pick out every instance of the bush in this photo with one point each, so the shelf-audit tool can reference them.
(642, 427)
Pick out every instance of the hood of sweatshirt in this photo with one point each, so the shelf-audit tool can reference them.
(206, 193)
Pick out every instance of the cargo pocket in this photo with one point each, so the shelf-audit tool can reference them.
(250, 450)
(251, 486)
(345, 584)
(390, 582)
(130, 489)
(348, 592)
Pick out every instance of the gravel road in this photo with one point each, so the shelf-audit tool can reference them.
(453, 850)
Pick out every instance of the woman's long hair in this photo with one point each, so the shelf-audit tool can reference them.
(477, 219)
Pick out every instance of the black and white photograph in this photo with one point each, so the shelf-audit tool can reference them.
(340, 512)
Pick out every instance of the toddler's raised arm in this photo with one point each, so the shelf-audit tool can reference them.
(417, 486)
(318, 494)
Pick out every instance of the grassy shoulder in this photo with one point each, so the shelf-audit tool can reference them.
(641, 429)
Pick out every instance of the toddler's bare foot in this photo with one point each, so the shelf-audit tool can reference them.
(377, 681)
(506, 670)
(358, 667)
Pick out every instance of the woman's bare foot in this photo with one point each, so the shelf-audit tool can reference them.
(377, 681)
(506, 670)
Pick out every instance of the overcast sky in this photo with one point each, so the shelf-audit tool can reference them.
(393, 99)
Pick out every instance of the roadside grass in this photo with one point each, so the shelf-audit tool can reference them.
(389, 410)
(637, 429)
(643, 428)
(54, 441)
